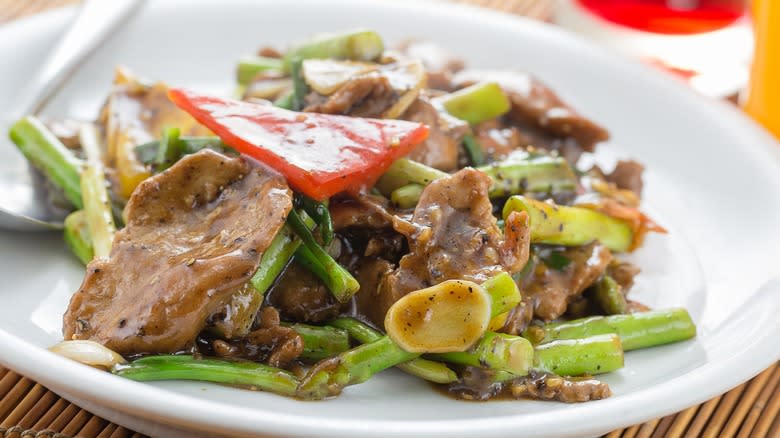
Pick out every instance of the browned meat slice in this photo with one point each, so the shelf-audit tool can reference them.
(536, 104)
(497, 139)
(270, 342)
(627, 175)
(476, 383)
(567, 390)
(301, 296)
(66, 130)
(480, 384)
(195, 233)
(371, 302)
(363, 96)
(519, 318)
(551, 290)
(439, 63)
(623, 273)
(269, 52)
(636, 306)
(364, 211)
(388, 245)
(441, 148)
(455, 236)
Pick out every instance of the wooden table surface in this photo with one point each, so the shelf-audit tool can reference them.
(28, 410)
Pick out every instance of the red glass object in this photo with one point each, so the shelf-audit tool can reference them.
(675, 17)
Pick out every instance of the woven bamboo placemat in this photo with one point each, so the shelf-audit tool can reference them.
(28, 410)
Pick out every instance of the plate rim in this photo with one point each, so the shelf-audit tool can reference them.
(277, 423)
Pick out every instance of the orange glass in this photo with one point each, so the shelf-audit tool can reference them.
(763, 95)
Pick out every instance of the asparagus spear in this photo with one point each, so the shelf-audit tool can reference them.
(299, 86)
(426, 369)
(497, 351)
(405, 178)
(250, 66)
(47, 153)
(97, 205)
(337, 279)
(170, 149)
(277, 256)
(542, 174)
(285, 101)
(575, 357)
(321, 215)
(407, 196)
(274, 259)
(473, 150)
(636, 330)
(181, 367)
(330, 377)
(504, 293)
(610, 296)
(321, 342)
(571, 226)
(77, 236)
(357, 45)
(405, 171)
(476, 103)
(148, 152)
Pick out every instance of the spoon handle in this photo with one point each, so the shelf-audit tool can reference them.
(94, 22)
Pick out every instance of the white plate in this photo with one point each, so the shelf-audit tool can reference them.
(712, 180)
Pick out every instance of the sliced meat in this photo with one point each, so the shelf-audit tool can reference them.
(300, 296)
(519, 318)
(195, 233)
(446, 133)
(536, 104)
(269, 52)
(567, 390)
(371, 303)
(454, 235)
(582, 306)
(498, 139)
(66, 130)
(439, 63)
(364, 211)
(362, 96)
(550, 290)
(636, 306)
(480, 384)
(627, 175)
(476, 383)
(386, 245)
(270, 342)
(623, 273)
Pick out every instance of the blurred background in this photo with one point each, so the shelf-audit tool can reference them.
(707, 43)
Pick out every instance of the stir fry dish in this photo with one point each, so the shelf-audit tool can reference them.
(352, 209)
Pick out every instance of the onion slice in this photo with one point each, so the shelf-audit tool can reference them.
(89, 353)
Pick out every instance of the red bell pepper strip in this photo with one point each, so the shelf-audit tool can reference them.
(319, 154)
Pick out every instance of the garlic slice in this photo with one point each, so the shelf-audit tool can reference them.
(408, 79)
(325, 76)
(448, 317)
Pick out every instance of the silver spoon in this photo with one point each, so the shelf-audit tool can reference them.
(23, 200)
